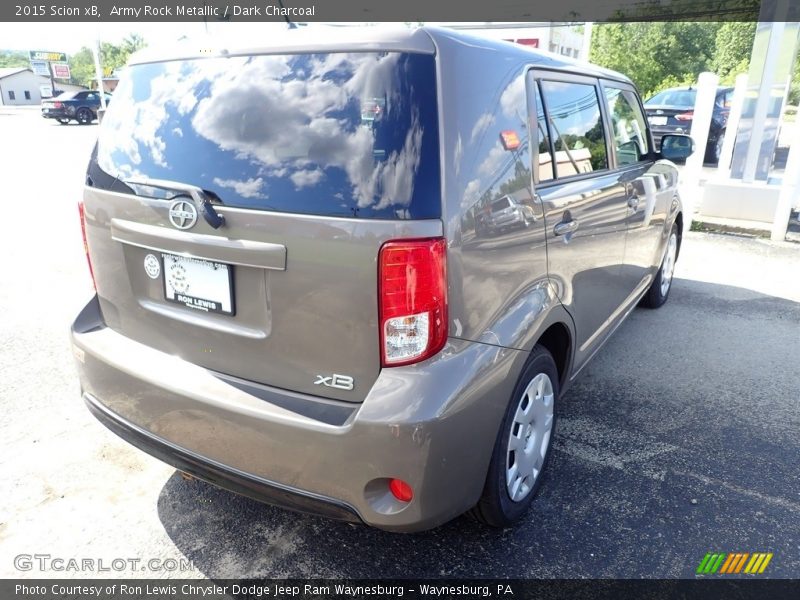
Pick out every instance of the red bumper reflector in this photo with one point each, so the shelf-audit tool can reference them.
(401, 490)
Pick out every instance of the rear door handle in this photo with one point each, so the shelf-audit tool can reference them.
(565, 228)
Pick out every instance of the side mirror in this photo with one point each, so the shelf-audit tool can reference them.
(676, 147)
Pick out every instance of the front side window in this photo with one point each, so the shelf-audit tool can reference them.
(627, 122)
(576, 125)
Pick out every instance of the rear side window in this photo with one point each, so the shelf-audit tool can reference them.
(627, 122)
(576, 126)
(352, 135)
(545, 166)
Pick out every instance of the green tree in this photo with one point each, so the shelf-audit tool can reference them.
(81, 65)
(112, 56)
(649, 53)
(132, 43)
(733, 46)
(9, 58)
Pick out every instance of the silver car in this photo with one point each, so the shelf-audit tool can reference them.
(293, 298)
(506, 213)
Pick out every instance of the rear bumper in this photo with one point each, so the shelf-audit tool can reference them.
(56, 114)
(220, 475)
(432, 425)
(507, 221)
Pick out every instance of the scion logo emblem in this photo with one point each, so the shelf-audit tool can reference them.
(341, 382)
(183, 214)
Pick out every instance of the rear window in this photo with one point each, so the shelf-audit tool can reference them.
(679, 98)
(501, 204)
(353, 135)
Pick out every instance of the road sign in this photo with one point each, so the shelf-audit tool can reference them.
(40, 67)
(46, 91)
(46, 55)
(61, 71)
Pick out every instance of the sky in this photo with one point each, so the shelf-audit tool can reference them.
(70, 37)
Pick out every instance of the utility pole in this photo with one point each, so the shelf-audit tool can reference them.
(98, 72)
(586, 47)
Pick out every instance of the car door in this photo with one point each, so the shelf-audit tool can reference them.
(584, 204)
(93, 100)
(647, 186)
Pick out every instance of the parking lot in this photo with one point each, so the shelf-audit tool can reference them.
(680, 438)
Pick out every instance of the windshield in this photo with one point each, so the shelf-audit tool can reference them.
(330, 134)
(681, 98)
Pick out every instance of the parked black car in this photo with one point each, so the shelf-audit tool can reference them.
(672, 111)
(79, 106)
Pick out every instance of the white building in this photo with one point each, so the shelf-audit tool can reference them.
(19, 86)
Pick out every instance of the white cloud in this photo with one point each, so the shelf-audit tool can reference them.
(306, 178)
(248, 189)
(481, 125)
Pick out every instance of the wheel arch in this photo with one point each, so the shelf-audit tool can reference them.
(556, 333)
(557, 339)
(679, 223)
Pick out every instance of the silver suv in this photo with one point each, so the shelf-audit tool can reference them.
(504, 213)
(294, 298)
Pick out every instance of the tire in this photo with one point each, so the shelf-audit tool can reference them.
(507, 494)
(84, 116)
(658, 292)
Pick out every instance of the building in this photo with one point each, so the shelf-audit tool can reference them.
(565, 39)
(19, 86)
(110, 82)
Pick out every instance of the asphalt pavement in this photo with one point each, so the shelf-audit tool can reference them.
(680, 438)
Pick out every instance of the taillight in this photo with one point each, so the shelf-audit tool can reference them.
(82, 212)
(687, 116)
(57, 104)
(412, 300)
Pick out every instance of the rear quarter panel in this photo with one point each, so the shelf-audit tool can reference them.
(499, 292)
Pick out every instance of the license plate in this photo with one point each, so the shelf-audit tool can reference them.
(201, 285)
(657, 120)
(46, 110)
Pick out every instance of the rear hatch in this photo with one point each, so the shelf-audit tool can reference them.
(310, 161)
(670, 116)
(671, 110)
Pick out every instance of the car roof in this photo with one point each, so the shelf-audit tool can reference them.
(310, 39)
